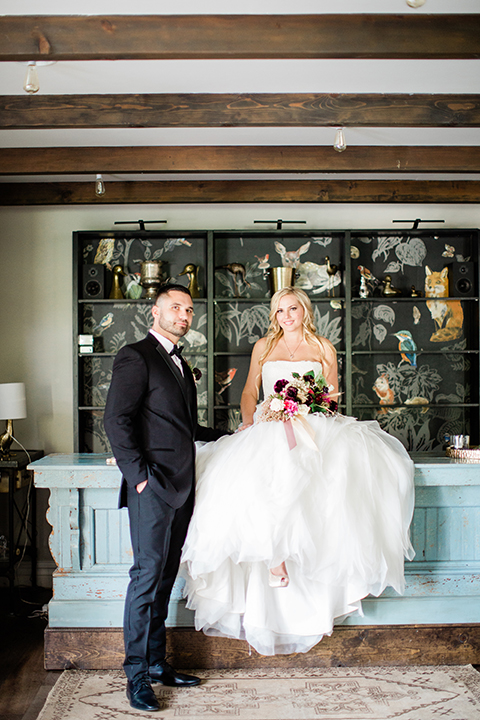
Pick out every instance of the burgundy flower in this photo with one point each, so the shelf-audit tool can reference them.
(197, 373)
(291, 393)
(333, 406)
(279, 385)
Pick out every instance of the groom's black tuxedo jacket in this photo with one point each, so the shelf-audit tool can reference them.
(151, 421)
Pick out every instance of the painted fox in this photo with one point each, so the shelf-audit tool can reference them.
(447, 315)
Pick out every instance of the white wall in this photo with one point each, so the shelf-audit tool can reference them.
(36, 285)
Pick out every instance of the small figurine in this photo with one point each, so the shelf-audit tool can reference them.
(133, 290)
(368, 281)
(364, 290)
(331, 271)
(116, 291)
(415, 293)
(191, 271)
(388, 289)
(263, 263)
(236, 269)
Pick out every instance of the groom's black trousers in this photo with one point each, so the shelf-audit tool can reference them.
(157, 532)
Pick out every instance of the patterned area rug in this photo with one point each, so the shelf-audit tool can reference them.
(416, 693)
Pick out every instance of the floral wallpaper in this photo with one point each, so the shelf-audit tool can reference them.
(414, 333)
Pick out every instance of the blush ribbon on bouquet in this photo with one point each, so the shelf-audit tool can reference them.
(299, 428)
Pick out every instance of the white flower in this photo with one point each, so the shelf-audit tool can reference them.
(303, 410)
(276, 404)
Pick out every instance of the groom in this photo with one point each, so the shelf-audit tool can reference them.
(151, 422)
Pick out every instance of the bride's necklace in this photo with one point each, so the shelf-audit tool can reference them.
(289, 351)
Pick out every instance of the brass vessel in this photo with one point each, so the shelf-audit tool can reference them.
(280, 277)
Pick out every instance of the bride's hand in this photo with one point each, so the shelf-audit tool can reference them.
(243, 426)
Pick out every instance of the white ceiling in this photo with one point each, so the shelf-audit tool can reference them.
(242, 76)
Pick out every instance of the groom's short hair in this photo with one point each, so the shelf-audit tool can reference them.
(164, 289)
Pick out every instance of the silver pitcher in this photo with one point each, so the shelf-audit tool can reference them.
(151, 277)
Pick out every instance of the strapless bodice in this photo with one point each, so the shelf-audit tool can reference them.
(274, 370)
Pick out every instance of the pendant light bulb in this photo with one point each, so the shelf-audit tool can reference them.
(99, 186)
(339, 143)
(31, 84)
(416, 3)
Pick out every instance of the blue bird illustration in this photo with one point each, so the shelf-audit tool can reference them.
(104, 323)
(407, 347)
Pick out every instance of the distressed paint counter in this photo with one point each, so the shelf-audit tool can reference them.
(90, 544)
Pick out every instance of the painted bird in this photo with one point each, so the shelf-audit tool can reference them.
(407, 347)
(172, 243)
(224, 379)
(238, 271)
(104, 323)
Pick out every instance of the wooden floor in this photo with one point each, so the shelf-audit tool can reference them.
(24, 683)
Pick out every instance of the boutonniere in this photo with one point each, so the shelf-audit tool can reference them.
(196, 372)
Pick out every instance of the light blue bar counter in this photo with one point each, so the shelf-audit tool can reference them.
(90, 544)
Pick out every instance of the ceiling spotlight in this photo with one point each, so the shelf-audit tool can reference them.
(99, 186)
(31, 84)
(339, 143)
(415, 3)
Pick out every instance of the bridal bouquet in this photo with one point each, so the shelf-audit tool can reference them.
(298, 397)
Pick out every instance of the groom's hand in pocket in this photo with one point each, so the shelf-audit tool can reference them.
(141, 486)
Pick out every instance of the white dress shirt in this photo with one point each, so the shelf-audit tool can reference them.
(168, 345)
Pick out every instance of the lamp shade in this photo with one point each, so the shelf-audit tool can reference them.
(12, 401)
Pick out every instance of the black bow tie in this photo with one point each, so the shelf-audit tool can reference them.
(176, 351)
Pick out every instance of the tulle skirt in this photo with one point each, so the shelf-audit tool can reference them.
(337, 511)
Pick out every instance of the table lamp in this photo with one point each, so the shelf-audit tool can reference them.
(12, 407)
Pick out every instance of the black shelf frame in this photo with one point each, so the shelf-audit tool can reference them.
(348, 300)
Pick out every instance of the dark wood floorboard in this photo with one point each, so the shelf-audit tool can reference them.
(24, 682)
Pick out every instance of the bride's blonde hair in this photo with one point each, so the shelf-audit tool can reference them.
(275, 332)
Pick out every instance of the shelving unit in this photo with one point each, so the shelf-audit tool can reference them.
(419, 403)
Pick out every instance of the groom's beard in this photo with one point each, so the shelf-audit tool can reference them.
(172, 327)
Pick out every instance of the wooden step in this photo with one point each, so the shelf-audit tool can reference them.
(102, 648)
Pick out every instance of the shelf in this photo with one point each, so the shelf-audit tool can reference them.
(393, 299)
(125, 301)
(313, 299)
(185, 353)
(418, 352)
(416, 406)
(227, 326)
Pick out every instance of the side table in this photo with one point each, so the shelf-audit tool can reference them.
(16, 463)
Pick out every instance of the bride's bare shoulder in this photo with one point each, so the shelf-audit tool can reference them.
(260, 346)
(327, 346)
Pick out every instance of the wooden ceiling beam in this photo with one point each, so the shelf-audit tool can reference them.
(242, 110)
(224, 159)
(242, 191)
(117, 37)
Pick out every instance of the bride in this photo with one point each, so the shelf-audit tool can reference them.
(295, 522)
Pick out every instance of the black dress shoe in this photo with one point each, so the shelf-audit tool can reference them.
(163, 673)
(141, 695)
